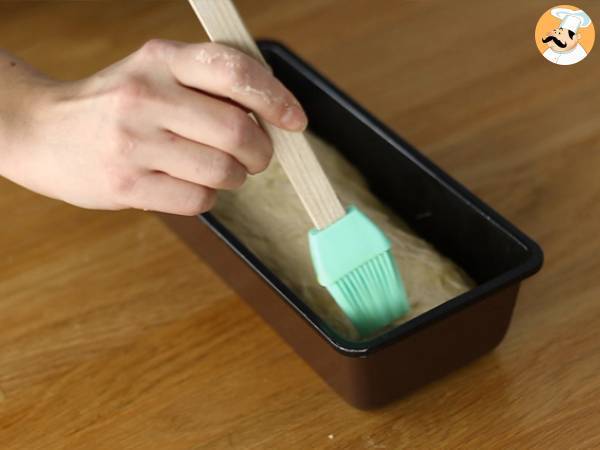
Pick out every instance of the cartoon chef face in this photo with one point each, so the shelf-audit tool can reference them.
(561, 40)
(564, 41)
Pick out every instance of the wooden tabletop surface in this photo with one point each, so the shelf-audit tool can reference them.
(113, 335)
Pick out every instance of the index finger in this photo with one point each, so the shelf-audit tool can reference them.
(227, 72)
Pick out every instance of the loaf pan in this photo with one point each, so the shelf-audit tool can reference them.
(493, 252)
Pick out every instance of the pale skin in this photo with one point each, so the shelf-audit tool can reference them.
(163, 129)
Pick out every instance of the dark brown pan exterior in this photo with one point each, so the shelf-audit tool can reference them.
(498, 256)
(364, 381)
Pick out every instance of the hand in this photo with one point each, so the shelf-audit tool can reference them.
(161, 130)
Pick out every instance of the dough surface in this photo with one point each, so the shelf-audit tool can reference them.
(267, 216)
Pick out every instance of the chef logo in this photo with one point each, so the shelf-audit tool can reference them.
(565, 35)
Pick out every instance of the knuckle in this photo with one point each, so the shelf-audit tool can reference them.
(236, 178)
(153, 48)
(239, 130)
(130, 93)
(262, 162)
(240, 180)
(199, 202)
(223, 168)
(121, 183)
(264, 156)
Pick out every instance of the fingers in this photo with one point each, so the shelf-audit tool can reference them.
(193, 162)
(181, 128)
(204, 119)
(161, 192)
(226, 72)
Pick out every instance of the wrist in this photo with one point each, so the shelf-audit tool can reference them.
(23, 91)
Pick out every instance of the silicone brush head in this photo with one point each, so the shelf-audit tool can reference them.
(353, 260)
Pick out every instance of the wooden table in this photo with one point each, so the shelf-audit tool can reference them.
(113, 335)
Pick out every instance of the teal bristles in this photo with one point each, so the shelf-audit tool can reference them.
(353, 260)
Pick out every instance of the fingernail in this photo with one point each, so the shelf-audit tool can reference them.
(294, 118)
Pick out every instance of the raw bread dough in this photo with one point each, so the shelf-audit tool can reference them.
(266, 215)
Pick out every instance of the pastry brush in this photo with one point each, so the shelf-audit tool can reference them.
(351, 255)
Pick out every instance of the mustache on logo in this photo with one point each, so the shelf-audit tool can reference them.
(556, 41)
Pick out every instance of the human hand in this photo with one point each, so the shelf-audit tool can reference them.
(161, 130)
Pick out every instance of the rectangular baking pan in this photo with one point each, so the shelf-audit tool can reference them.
(493, 252)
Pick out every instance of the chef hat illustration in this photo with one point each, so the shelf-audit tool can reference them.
(571, 19)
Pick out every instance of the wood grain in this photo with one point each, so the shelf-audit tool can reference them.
(112, 335)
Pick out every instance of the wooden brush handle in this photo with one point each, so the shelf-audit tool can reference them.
(224, 25)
